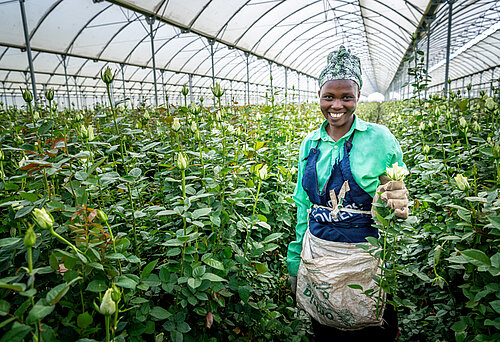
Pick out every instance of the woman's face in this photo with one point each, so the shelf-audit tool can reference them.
(337, 100)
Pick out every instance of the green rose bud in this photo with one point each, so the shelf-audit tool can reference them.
(217, 90)
(1, 155)
(102, 215)
(36, 116)
(49, 94)
(469, 86)
(27, 95)
(201, 99)
(116, 293)
(29, 238)
(426, 149)
(422, 126)
(108, 306)
(43, 218)
(197, 135)
(476, 127)
(495, 149)
(184, 90)
(107, 76)
(462, 183)
(462, 122)
(182, 161)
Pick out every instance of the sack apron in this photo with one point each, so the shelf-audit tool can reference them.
(339, 220)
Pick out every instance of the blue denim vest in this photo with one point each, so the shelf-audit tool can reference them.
(346, 226)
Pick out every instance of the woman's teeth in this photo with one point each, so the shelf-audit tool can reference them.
(336, 115)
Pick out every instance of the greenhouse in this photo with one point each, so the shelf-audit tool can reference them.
(153, 155)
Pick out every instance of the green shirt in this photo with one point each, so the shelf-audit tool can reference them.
(374, 148)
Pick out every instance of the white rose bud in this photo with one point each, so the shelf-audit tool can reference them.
(396, 172)
(462, 183)
(108, 306)
(176, 125)
(182, 161)
(43, 218)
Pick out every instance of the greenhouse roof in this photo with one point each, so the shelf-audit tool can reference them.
(289, 39)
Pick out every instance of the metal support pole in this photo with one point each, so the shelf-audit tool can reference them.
(427, 56)
(150, 20)
(286, 85)
(163, 85)
(28, 48)
(66, 78)
(123, 82)
(76, 90)
(492, 79)
(448, 47)
(271, 77)
(191, 89)
(308, 95)
(248, 80)
(231, 98)
(211, 42)
(298, 86)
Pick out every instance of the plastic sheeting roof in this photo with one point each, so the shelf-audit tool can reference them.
(288, 39)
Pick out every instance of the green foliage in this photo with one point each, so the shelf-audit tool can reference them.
(195, 254)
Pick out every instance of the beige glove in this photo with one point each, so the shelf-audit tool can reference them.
(395, 194)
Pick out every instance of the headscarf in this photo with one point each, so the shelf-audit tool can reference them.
(341, 65)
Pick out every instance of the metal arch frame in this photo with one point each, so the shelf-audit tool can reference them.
(304, 32)
(190, 25)
(180, 26)
(319, 48)
(255, 22)
(224, 27)
(44, 16)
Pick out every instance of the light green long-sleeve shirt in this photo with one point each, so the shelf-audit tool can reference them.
(374, 148)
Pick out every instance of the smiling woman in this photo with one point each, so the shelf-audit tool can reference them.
(345, 158)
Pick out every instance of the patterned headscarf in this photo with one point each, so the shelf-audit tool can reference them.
(341, 65)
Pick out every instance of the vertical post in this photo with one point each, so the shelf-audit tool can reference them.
(298, 86)
(66, 78)
(286, 85)
(231, 98)
(492, 79)
(271, 77)
(76, 90)
(248, 80)
(448, 47)
(163, 85)
(211, 42)
(123, 82)
(191, 88)
(429, 21)
(307, 97)
(28, 49)
(150, 20)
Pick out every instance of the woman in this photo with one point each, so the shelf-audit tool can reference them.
(339, 168)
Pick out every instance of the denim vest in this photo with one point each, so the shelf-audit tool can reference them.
(353, 224)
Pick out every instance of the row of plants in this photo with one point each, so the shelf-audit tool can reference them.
(148, 223)
(172, 223)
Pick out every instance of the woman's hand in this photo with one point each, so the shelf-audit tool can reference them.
(395, 194)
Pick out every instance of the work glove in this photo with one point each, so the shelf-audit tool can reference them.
(293, 283)
(395, 194)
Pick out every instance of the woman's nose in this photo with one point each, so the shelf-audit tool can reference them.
(336, 104)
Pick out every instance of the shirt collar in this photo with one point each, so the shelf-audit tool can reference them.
(358, 124)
